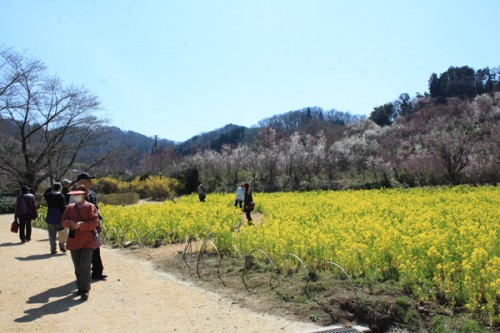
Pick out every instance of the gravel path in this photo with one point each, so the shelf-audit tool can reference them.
(37, 295)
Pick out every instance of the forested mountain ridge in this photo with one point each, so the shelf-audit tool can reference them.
(463, 82)
(449, 135)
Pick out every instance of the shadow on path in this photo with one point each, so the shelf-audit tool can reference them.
(37, 257)
(57, 306)
(11, 244)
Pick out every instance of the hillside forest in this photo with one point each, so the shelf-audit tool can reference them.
(447, 136)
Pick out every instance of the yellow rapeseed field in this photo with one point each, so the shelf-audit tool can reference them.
(439, 243)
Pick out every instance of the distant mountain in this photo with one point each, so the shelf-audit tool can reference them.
(127, 147)
(134, 141)
(310, 120)
(228, 135)
(124, 150)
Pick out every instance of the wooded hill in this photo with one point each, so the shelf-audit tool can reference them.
(447, 136)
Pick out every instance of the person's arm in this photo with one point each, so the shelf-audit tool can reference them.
(91, 218)
(34, 206)
(16, 209)
(66, 219)
(61, 202)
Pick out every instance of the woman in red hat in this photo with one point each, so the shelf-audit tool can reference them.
(81, 218)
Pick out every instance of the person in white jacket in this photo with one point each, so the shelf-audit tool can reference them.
(240, 196)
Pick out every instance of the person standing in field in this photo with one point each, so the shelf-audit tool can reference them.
(85, 179)
(240, 197)
(25, 211)
(248, 202)
(56, 204)
(201, 192)
(82, 218)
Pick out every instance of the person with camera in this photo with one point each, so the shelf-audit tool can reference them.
(81, 218)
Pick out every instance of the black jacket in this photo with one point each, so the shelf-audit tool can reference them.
(54, 199)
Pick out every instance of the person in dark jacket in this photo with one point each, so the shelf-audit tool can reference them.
(56, 203)
(25, 211)
(201, 192)
(248, 202)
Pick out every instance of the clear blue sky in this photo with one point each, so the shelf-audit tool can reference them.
(179, 68)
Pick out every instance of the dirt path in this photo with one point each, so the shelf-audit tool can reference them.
(37, 295)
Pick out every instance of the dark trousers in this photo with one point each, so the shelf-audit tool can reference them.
(24, 227)
(247, 212)
(238, 201)
(81, 260)
(97, 267)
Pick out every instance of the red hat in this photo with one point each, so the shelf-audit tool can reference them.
(76, 192)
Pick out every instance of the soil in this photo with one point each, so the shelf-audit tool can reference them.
(141, 294)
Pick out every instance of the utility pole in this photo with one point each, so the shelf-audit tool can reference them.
(154, 150)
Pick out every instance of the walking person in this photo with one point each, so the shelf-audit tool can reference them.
(25, 211)
(56, 204)
(85, 179)
(248, 202)
(81, 218)
(240, 197)
(201, 192)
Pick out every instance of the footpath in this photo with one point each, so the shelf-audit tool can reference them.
(37, 294)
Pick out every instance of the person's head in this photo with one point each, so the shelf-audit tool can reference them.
(57, 186)
(25, 189)
(85, 179)
(78, 194)
(246, 186)
(66, 182)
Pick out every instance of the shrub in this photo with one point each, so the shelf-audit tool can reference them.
(7, 205)
(109, 185)
(156, 187)
(128, 198)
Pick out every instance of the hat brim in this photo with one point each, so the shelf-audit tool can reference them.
(83, 178)
(76, 192)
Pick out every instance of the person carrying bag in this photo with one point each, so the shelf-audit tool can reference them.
(26, 210)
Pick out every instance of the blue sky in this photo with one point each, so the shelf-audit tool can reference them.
(179, 68)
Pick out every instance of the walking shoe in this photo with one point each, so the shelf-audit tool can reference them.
(84, 296)
(53, 252)
(99, 277)
(63, 250)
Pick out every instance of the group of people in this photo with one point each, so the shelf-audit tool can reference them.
(73, 219)
(244, 199)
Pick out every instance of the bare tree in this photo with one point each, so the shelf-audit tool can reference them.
(47, 124)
